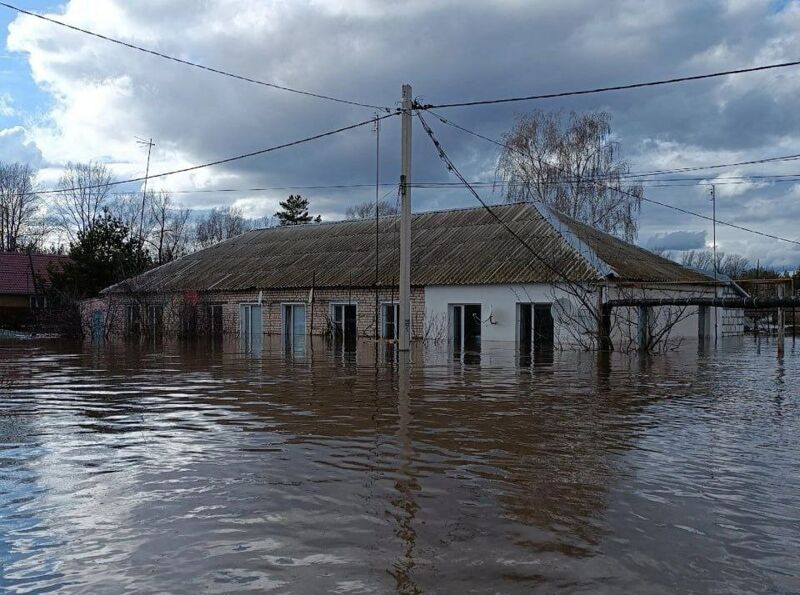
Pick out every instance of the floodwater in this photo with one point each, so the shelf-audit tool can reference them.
(195, 468)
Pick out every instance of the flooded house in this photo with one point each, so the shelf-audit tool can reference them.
(472, 281)
(24, 284)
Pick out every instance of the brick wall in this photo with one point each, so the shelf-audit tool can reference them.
(318, 313)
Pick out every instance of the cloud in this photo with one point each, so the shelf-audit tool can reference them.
(16, 145)
(677, 240)
(6, 105)
(103, 96)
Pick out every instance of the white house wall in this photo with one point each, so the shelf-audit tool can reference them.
(499, 309)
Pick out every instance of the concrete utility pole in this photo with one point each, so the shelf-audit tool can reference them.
(781, 321)
(714, 256)
(405, 225)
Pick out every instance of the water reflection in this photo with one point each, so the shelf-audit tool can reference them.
(189, 466)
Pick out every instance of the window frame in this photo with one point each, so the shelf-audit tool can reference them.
(383, 320)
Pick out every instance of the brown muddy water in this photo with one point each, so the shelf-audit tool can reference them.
(195, 468)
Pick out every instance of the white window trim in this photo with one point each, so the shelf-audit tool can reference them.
(283, 316)
(451, 327)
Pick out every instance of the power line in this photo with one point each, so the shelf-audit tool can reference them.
(670, 81)
(192, 64)
(655, 183)
(220, 161)
(792, 157)
(719, 221)
(630, 194)
(716, 166)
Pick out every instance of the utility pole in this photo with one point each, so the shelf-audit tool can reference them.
(150, 145)
(377, 222)
(781, 320)
(405, 224)
(714, 256)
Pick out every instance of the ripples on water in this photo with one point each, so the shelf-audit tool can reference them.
(184, 469)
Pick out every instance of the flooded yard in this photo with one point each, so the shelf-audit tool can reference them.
(195, 468)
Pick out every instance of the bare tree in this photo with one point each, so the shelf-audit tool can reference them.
(19, 207)
(127, 207)
(220, 224)
(572, 165)
(169, 237)
(85, 194)
(366, 210)
(700, 259)
(732, 265)
(735, 265)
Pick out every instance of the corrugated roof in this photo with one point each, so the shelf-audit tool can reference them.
(465, 246)
(630, 262)
(16, 275)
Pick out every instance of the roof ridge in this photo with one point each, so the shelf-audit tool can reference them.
(580, 247)
(394, 216)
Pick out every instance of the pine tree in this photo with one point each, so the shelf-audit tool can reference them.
(295, 211)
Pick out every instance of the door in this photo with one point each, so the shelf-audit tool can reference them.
(465, 327)
(525, 327)
(250, 327)
(345, 327)
(543, 327)
(294, 326)
(472, 327)
(215, 320)
(97, 325)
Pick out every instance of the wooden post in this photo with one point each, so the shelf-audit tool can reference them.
(781, 322)
(313, 299)
(603, 323)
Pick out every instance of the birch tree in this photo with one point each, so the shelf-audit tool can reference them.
(571, 164)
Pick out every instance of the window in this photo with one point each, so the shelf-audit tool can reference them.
(155, 319)
(250, 333)
(214, 313)
(465, 327)
(390, 316)
(343, 319)
(133, 319)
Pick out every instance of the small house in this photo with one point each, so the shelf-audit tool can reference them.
(24, 282)
(472, 282)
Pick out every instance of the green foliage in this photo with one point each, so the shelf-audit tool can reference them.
(102, 255)
(295, 211)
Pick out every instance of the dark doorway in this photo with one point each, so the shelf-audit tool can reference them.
(215, 320)
(525, 327)
(472, 327)
(543, 327)
(350, 328)
(458, 335)
(465, 327)
(345, 326)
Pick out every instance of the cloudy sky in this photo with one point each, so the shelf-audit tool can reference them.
(65, 96)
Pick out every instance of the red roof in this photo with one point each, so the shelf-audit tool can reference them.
(15, 271)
